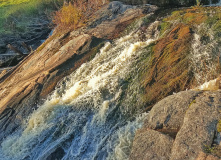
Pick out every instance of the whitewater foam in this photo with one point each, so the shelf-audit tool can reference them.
(85, 115)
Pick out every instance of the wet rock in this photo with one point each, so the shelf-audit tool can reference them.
(168, 70)
(57, 154)
(10, 60)
(3, 47)
(33, 36)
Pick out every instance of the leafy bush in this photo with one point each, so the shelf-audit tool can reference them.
(76, 13)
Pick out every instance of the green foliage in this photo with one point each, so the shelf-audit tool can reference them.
(214, 150)
(209, 149)
(4, 3)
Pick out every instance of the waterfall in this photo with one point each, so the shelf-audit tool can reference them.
(205, 51)
(92, 114)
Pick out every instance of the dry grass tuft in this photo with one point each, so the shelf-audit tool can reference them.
(76, 13)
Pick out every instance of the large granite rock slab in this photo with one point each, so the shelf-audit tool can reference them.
(190, 118)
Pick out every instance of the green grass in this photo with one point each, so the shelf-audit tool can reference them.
(17, 14)
(11, 2)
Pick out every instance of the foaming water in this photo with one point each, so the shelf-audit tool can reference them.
(212, 85)
(86, 117)
(203, 57)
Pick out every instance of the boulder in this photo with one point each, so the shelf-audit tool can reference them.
(169, 113)
(192, 117)
(199, 126)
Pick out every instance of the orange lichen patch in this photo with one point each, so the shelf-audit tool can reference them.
(168, 69)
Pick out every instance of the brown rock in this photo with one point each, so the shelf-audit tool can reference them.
(211, 157)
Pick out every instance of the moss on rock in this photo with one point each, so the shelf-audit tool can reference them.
(168, 68)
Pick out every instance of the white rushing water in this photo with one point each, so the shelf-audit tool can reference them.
(86, 117)
(204, 54)
(215, 4)
(211, 85)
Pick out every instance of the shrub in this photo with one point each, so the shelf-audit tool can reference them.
(76, 13)
(69, 16)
